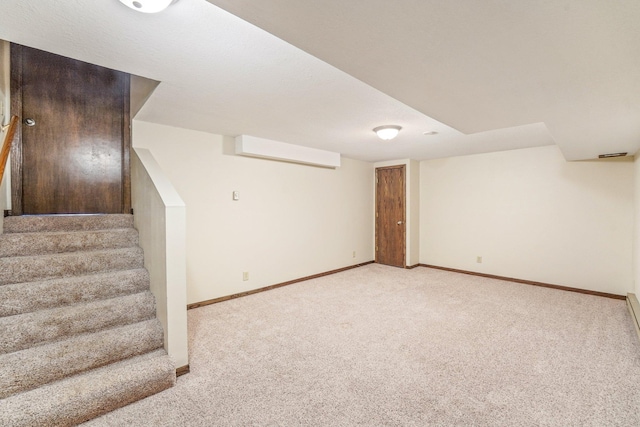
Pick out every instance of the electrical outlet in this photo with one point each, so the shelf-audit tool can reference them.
(354, 254)
(245, 276)
(479, 260)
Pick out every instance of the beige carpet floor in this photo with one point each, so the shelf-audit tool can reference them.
(381, 346)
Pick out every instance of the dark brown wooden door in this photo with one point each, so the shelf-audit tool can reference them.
(390, 216)
(72, 155)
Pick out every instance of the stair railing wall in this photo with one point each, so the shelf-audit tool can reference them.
(160, 218)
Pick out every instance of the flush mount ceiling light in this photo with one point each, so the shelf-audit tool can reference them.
(387, 132)
(148, 6)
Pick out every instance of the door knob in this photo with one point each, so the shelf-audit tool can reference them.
(399, 222)
(29, 122)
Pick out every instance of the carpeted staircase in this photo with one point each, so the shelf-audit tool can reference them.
(78, 332)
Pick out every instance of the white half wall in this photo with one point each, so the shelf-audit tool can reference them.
(160, 221)
(290, 221)
(531, 215)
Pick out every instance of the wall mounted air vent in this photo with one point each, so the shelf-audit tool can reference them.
(606, 156)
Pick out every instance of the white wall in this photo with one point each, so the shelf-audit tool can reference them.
(141, 88)
(412, 206)
(531, 216)
(291, 220)
(414, 219)
(5, 80)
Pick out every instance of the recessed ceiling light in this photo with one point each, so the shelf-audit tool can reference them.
(148, 6)
(387, 132)
(430, 132)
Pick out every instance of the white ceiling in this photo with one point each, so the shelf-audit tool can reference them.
(496, 75)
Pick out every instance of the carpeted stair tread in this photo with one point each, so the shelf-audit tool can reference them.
(131, 360)
(40, 223)
(27, 297)
(33, 367)
(36, 328)
(41, 267)
(21, 244)
(82, 397)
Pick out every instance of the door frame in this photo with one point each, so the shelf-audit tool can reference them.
(16, 66)
(404, 214)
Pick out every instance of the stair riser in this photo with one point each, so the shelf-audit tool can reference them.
(31, 329)
(27, 369)
(39, 223)
(25, 244)
(33, 296)
(29, 269)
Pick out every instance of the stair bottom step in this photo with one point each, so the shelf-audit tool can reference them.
(80, 398)
(33, 367)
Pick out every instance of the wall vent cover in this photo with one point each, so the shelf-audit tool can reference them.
(606, 156)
